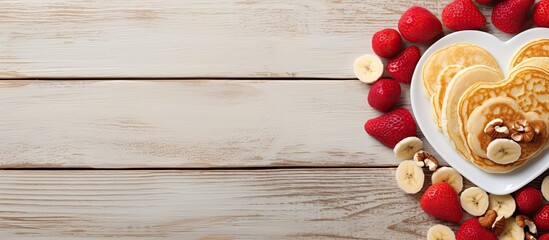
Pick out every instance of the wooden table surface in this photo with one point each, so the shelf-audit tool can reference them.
(196, 119)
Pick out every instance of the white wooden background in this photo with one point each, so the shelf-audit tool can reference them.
(249, 108)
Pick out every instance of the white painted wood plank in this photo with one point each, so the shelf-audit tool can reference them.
(200, 123)
(192, 38)
(278, 204)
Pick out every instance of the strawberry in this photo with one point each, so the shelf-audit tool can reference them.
(418, 24)
(387, 43)
(441, 201)
(392, 127)
(384, 94)
(528, 200)
(541, 13)
(544, 237)
(510, 15)
(402, 66)
(472, 230)
(541, 219)
(462, 15)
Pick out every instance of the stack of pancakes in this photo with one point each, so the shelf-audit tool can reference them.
(468, 91)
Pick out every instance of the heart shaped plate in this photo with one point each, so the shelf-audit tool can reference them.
(503, 52)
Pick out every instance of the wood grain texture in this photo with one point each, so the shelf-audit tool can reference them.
(277, 204)
(193, 38)
(199, 123)
(195, 123)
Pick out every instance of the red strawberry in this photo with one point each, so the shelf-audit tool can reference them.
(510, 15)
(544, 237)
(392, 127)
(387, 43)
(418, 24)
(528, 200)
(462, 15)
(441, 201)
(472, 230)
(384, 94)
(541, 13)
(402, 67)
(541, 219)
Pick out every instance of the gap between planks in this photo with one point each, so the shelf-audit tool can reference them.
(178, 78)
(228, 168)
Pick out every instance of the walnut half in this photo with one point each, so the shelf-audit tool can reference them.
(496, 129)
(523, 131)
(524, 221)
(423, 159)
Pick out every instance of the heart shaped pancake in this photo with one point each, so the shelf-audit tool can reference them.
(527, 85)
(508, 111)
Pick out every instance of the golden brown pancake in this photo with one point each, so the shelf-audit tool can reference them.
(527, 85)
(509, 111)
(455, 89)
(536, 48)
(437, 99)
(464, 54)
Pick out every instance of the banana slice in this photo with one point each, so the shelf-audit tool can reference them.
(474, 201)
(545, 188)
(503, 151)
(440, 232)
(450, 176)
(406, 148)
(368, 68)
(511, 231)
(504, 205)
(409, 177)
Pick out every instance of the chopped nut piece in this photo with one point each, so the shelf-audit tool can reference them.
(498, 225)
(519, 125)
(521, 221)
(531, 226)
(529, 236)
(423, 159)
(516, 136)
(488, 219)
(432, 165)
(524, 221)
(523, 136)
(496, 129)
(522, 131)
(418, 161)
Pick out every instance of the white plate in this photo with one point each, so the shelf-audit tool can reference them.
(503, 52)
